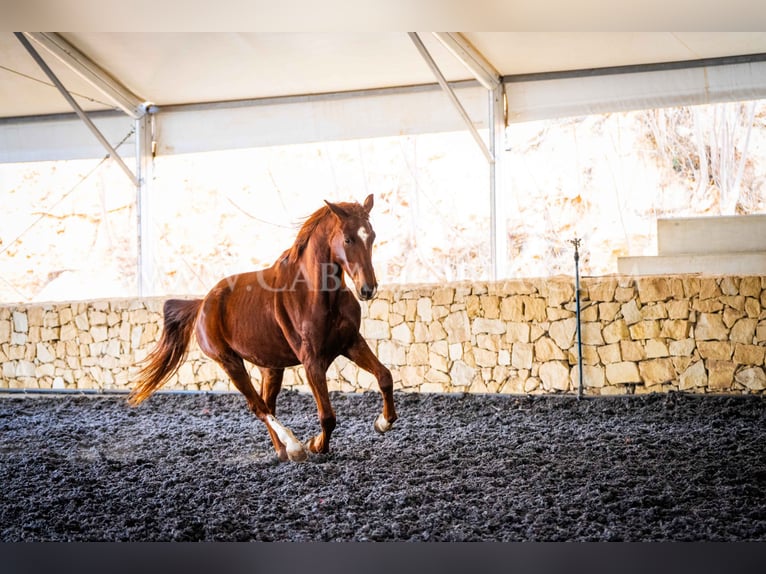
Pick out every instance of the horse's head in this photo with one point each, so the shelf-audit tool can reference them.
(351, 244)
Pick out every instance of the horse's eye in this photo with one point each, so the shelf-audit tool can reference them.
(348, 240)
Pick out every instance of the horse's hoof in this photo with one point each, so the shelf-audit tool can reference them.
(381, 425)
(297, 454)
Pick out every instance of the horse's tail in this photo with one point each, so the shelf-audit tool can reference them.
(167, 356)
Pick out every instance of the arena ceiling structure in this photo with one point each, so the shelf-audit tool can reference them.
(75, 95)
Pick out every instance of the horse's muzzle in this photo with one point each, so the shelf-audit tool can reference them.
(367, 292)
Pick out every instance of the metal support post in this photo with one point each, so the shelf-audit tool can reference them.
(145, 145)
(576, 243)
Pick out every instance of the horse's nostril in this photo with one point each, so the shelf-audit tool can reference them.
(367, 292)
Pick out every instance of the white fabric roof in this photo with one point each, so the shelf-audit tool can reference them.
(183, 68)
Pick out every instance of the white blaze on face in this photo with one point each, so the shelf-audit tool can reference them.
(363, 235)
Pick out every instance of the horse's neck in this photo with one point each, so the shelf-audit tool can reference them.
(323, 278)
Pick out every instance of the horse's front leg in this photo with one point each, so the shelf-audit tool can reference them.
(317, 377)
(363, 356)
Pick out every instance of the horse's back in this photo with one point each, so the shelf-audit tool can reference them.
(238, 315)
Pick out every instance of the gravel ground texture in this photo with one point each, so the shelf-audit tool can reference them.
(200, 467)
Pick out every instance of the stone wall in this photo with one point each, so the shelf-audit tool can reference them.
(639, 334)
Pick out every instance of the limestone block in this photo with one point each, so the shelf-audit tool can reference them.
(488, 342)
(708, 305)
(438, 362)
(676, 329)
(653, 288)
(729, 285)
(720, 350)
(657, 371)
(473, 306)
(518, 287)
(504, 357)
(461, 374)
(457, 326)
(743, 331)
(720, 374)
(443, 296)
(760, 331)
(378, 309)
(391, 353)
(417, 354)
(436, 332)
(750, 287)
(749, 354)
(608, 311)
(736, 302)
(455, 351)
(521, 355)
(485, 358)
(512, 309)
(621, 373)
(645, 330)
(20, 322)
(5, 330)
(623, 294)
(563, 332)
(517, 332)
(708, 288)
(589, 313)
(490, 306)
(753, 378)
(547, 350)
(9, 370)
(424, 306)
(694, 376)
(554, 376)
(534, 309)
(440, 347)
(437, 377)
(678, 309)
(616, 331)
(371, 329)
(420, 332)
(683, 348)
(656, 348)
(593, 376)
(558, 292)
(710, 327)
(610, 353)
(752, 307)
(25, 369)
(589, 355)
(601, 289)
(654, 311)
(81, 322)
(493, 326)
(44, 354)
(631, 312)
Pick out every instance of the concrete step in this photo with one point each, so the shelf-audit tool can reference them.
(739, 263)
(709, 235)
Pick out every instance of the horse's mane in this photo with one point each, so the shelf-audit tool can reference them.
(310, 224)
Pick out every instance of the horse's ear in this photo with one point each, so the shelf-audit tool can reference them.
(337, 209)
(368, 203)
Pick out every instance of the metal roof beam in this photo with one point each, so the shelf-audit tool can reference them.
(75, 106)
(451, 95)
(471, 58)
(94, 74)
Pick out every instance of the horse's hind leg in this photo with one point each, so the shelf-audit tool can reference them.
(272, 384)
(285, 443)
(363, 356)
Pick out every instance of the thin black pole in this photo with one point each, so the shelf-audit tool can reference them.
(576, 243)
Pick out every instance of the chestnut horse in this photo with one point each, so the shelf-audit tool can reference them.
(299, 310)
